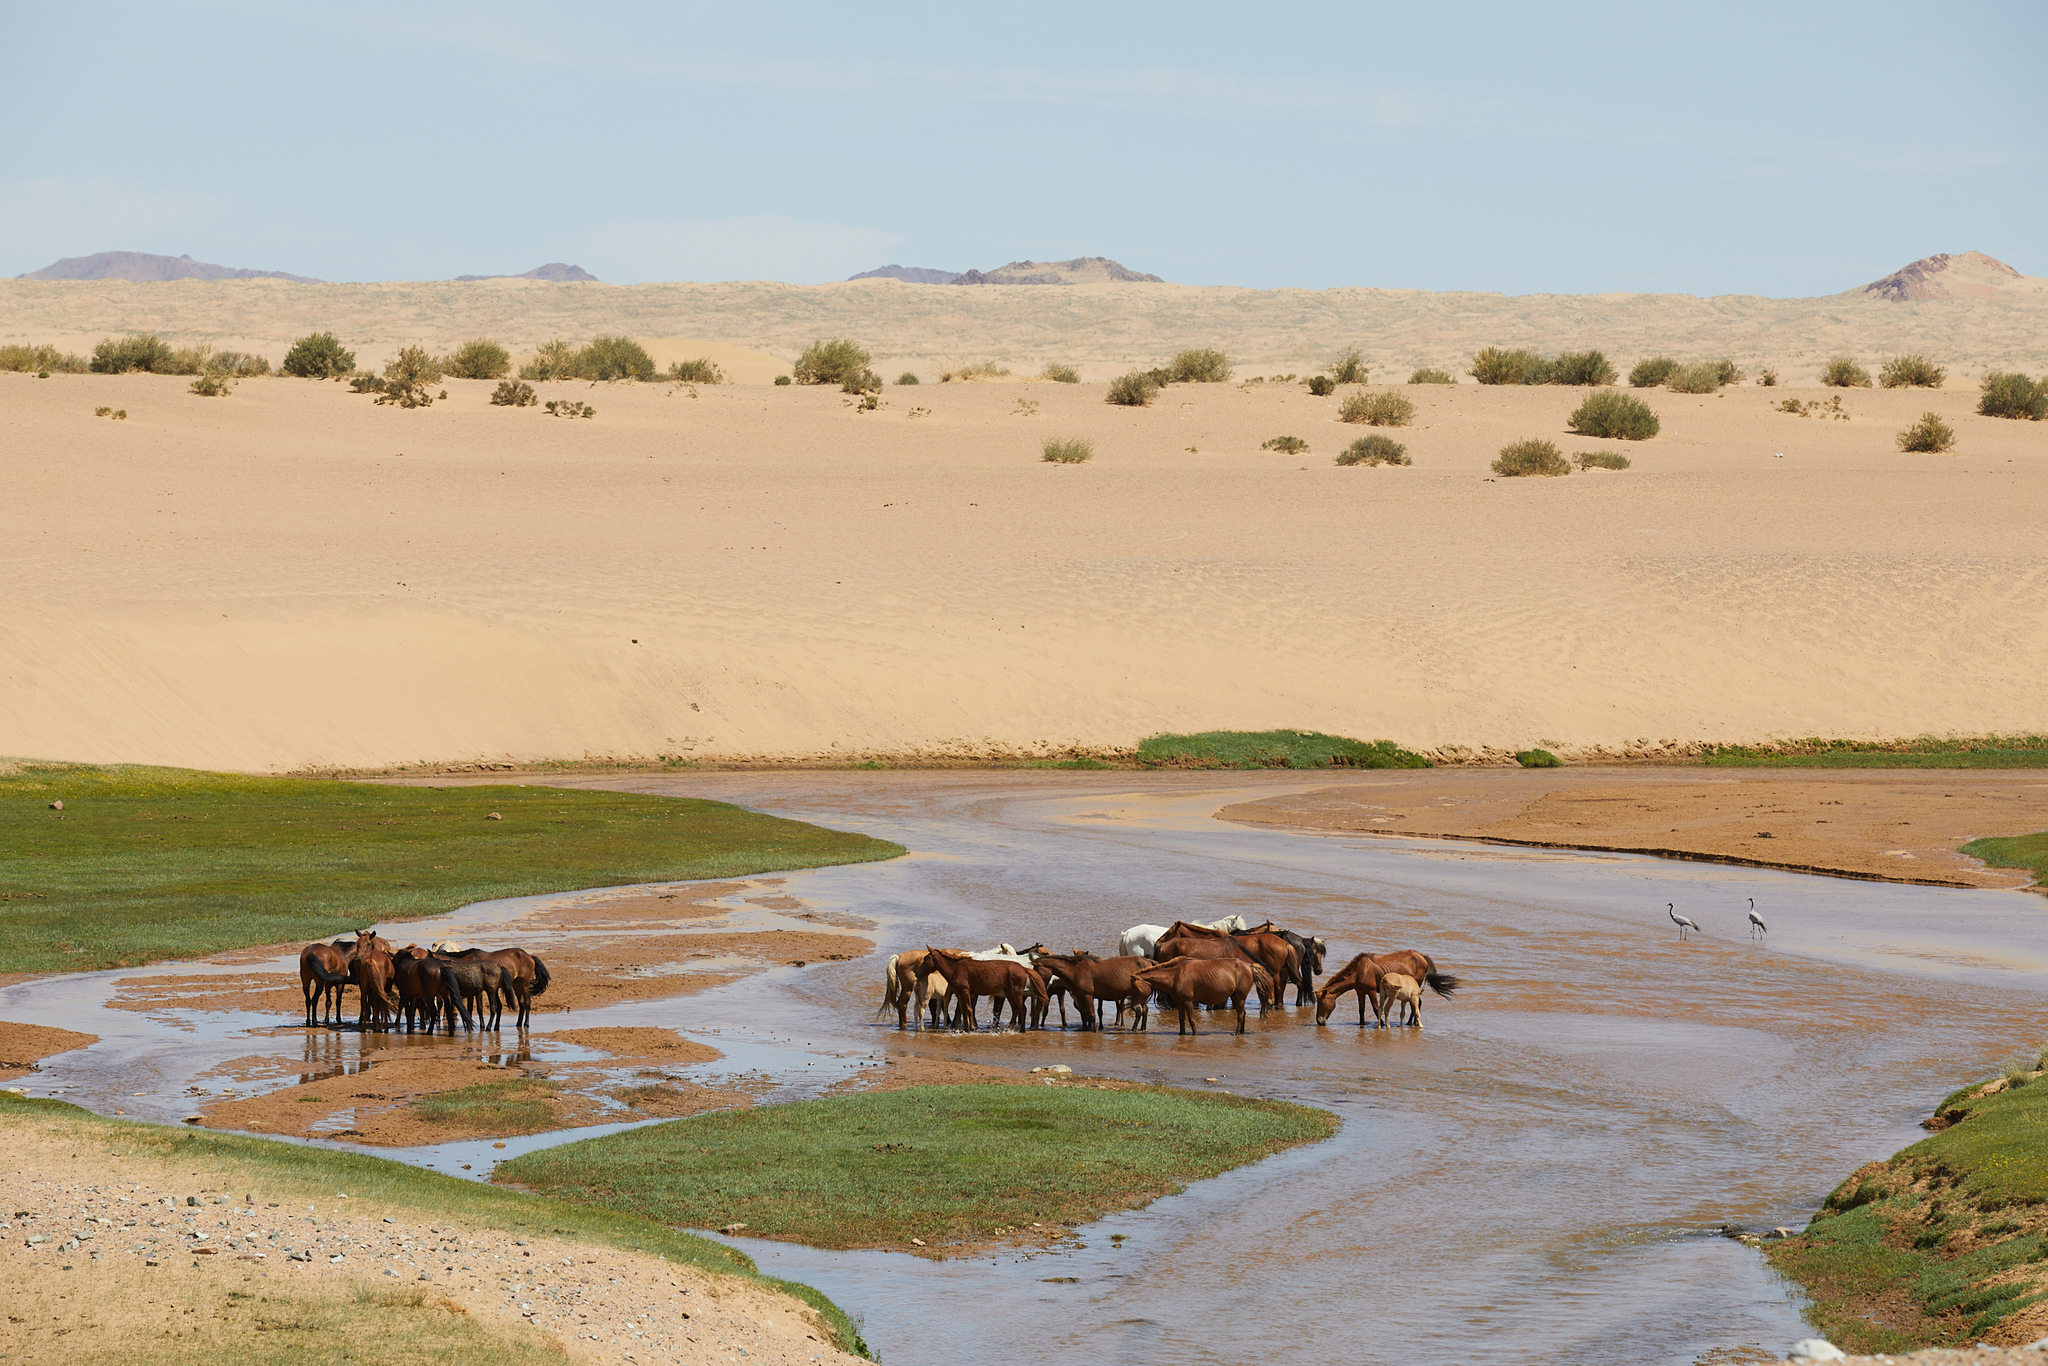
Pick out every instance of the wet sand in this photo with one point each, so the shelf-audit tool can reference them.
(22, 1046)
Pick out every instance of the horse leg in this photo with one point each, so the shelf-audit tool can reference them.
(1240, 1004)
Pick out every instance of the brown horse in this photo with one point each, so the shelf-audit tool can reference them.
(1421, 967)
(1189, 982)
(524, 976)
(1093, 981)
(426, 990)
(1362, 975)
(323, 976)
(1269, 951)
(372, 970)
(969, 978)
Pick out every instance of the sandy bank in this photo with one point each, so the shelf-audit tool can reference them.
(1896, 825)
(22, 1046)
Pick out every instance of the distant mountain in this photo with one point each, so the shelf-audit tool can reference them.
(553, 270)
(1082, 270)
(1973, 275)
(916, 275)
(144, 268)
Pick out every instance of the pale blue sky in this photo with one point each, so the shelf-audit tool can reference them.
(1783, 149)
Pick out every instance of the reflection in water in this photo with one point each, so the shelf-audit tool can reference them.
(339, 1053)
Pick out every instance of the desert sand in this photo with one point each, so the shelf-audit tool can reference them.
(1104, 329)
(292, 578)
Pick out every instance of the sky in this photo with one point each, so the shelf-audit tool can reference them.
(1782, 149)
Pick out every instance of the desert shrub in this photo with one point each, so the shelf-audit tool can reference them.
(30, 359)
(1844, 373)
(1134, 390)
(702, 370)
(363, 382)
(862, 381)
(2013, 395)
(1060, 374)
(562, 407)
(238, 364)
(1911, 372)
(1200, 366)
(1349, 368)
(479, 358)
(1731, 373)
(1768, 379)
(1495, 366)
(407, 376)
(1600, 460)
(212, 384)
(1648, 374)
(1701, 378)
(1322, 386)
(1930, 433)
(118, 414)
(1375, 450)
(1537, 758)
(136, 351)
(513, 393)
(190, 360)
(782, 379)
(554, 360)
(1429, 374)
(1611, 413)
(973, 374)
(1581, 368)
(1378, 410)
(1066, 450)
(830, 362)
(319, 355)
(906, 378)
(614, 358)
(1286, 445)
(1532, 456)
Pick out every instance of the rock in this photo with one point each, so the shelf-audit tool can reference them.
(1212, 1079)
(1816, 1349)
(194, 1119)
(917, 1242)
(494, 816)
(56, 806)
(731, 1229)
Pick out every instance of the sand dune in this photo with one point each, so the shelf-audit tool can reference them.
(1104, 329)
(292, 577)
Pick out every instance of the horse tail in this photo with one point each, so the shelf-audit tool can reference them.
(326, 974)
(1442, 983)
(1263, 980)
(540, 977)
(891, 990)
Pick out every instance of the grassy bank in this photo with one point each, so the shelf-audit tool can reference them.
(1945, 1243)
(149, 863)
(1989, 751)
(290, 1173)
(1272, 749)
(2014, 851)
(940, 1163)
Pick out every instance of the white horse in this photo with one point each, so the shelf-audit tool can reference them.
(1142, 939)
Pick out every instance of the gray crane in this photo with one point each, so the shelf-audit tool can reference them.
(1756, 924)
(1682, 923)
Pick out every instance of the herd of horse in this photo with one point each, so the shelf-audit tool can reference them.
(419, 988)
(1187, 966)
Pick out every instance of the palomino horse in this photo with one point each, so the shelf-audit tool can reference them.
(1189, 982)
(912, 984)
(969, 978)
(323, 976)
(1092, 980)
(1400, 988)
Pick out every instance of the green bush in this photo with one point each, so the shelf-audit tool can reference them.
(479, 358)
(190, 360)
(906, 378)
(1378, 410)
(1495, 366)
(562, 407)
(1768, 379)
(830, 362)
(1060, 374)
(782, 379)
(1349, 368)
(1134, 390)
(513, 393)
(862, 381)
(1522, 458)
(1322, 386)
(407, 376)
(1538, 758)
(1648, 374)
(1584, 368)
(702, 370)
(1286, 445)
(1611, 413)
(212, 385)
(1930, 433)
(1600, 460)
(1375, 450)
(1844, 373)
(1911, 372)
(136, 351)
(238, 364)
(554, 360)
(32, 359)
(1701, 378)
(614, 358)
(1066, 450)
(1430, 375)
(319, 355)
(1272, 749)
(2011, 394)
(1200, 366)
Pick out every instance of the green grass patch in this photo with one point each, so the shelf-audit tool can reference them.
(2014, 851)
(149, 863)
(293, 1173)
(498, 1107)
(1272, 749)
(941, 1163)
(1538, 758)
(1992, 751)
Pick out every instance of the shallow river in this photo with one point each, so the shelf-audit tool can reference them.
(1540, 1173)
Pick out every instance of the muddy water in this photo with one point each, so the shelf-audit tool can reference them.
(1537, 1174)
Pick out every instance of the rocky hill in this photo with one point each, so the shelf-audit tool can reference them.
(143, 268)
(1973, 275)
(916, 275)
(1082, 270)
(558, 271)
